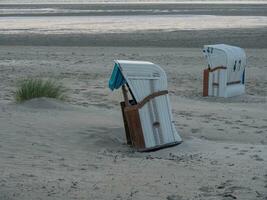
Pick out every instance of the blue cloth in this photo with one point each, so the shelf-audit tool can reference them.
(243, 77)
(116, 79)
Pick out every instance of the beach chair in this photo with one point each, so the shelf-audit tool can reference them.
(147, 115)
(225, 75)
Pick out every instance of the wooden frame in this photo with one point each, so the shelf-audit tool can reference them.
(206, 74)
(132, 123)
(206, 82)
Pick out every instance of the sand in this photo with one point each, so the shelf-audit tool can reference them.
(76, 149)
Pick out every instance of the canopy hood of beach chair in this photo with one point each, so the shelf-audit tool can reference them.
(138, 76)
(116, 80)
(225, 55)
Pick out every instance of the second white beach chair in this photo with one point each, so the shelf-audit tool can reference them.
(225, 75)
(147, 116)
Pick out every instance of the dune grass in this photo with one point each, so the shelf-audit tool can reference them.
(36, 88)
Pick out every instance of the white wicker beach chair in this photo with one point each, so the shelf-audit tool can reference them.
(147, 117)
(225, 75)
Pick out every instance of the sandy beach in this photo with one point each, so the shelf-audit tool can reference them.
(76, 149)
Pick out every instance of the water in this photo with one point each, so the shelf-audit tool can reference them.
(63, 18)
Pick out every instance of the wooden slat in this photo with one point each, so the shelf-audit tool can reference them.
(234, 82)
(217, 68)
(126, 127)
(206, 82)
(125, 95)
(151, 96)
(159, 147)
(147, 99)
(132, 122)
(229, 83)
(135, 128)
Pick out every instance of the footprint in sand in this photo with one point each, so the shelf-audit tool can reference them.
(181, 125)
(195, 130)
(235, 148)
(242, 152)
(228, 193)
(265, 181)
(256, 157)
(235, 127)
(206, 189)
(174, 197)
(255, 178)
(258, 132)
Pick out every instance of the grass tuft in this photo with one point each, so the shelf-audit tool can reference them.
(36, 88)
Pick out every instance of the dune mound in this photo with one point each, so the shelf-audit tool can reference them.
(46, 103)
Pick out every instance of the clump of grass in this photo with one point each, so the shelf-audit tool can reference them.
(36, 88)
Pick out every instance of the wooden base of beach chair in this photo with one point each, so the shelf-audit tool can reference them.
(133, 126)
(206, 82)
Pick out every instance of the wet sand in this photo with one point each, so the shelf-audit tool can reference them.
(246, 38)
